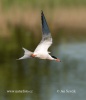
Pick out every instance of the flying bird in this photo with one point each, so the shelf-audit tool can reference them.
(41, 50)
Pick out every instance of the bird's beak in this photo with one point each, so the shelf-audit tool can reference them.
(58, 60)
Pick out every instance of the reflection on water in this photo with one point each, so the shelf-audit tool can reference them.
(71, 72)
(45, 77)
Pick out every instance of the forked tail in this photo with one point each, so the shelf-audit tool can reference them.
(27, 54)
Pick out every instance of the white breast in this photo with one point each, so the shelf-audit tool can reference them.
(43, 56)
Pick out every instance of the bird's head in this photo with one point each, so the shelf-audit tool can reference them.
(56, 59)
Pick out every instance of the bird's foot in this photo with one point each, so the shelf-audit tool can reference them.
(33, 55)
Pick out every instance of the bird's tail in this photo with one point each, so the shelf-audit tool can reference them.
(27, 54)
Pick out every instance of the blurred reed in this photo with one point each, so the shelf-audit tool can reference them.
(19, 26)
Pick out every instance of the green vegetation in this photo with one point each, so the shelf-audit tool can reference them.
(43, 3)
(20, 26)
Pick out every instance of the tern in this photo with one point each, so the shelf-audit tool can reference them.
(41, 50)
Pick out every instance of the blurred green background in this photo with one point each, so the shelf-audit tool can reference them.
(20, 26)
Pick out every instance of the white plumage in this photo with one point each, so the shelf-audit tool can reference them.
(41, 50)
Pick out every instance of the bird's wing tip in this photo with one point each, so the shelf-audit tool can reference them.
(41, 11)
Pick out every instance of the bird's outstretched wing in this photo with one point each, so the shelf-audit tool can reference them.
(46, 37)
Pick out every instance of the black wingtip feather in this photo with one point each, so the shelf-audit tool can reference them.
(45, 28)
(42, 14)
(41, 11)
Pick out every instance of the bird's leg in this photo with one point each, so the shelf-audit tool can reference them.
(33, 55)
